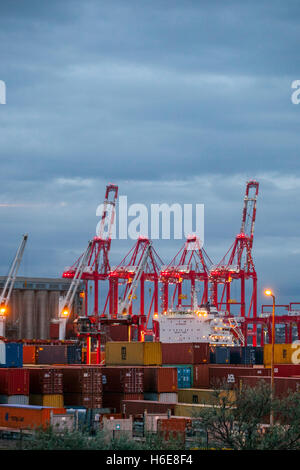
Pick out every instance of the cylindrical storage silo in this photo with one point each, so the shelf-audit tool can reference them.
(53, 304)
(42, 314)
(28, 311)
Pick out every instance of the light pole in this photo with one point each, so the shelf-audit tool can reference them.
(270, 294)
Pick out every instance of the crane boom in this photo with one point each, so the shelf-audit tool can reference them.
(67, 301)
(9, 283)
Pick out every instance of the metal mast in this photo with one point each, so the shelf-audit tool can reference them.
(9, 284)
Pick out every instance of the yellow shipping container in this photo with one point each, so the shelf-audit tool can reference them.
(203, 396)
(53, 401)
(282, 354)
(188, 410)
(133, 353)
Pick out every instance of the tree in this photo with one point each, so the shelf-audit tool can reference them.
(242, 422)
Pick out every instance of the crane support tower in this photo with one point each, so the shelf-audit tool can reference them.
(9, 284)
(142, 264)
(190, 265)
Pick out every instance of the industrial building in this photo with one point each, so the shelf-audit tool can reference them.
(33, 304)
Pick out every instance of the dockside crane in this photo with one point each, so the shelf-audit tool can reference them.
(191, 264)
(66, 302)
(238, 264)
(98, 267)
(9, 284)
(140, 266)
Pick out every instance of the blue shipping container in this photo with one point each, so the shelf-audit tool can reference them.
(11, 355)
(220, 355)
(74, 354)
(246, 355)
(185, 375)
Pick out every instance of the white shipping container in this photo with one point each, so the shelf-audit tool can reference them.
(151, 421)
(171, 397)
(166, 397)
(2, 353)
(14, 399)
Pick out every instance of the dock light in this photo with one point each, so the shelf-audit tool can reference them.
(268, 292)
(2, 310)
(65, 312)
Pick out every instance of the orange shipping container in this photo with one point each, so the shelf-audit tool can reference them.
(27, 417)
(173, 428)
(29, 354)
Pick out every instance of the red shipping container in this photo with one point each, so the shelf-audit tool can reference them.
(282, 385)
(115, 333)
(45, 380)
(82, 379)
(138, 407)
(86, 400)
(97, 386)
(201, 376)
(160, 379)
(286, 370)
(218, 376)
(29, 354)
(185, 353)
(114, 400)
(172, 428)
(14, 381)
(27, 417)
(123, 379)
(77, 380)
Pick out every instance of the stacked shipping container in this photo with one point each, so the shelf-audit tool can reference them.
(11, 354)
(45, 386)
(161, 384)
(14, 386)
(82, 386)
(122, 383)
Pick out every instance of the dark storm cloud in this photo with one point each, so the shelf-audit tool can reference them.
(174, 101)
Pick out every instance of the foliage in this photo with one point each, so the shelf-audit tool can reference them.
(49, 439)
(243, 423)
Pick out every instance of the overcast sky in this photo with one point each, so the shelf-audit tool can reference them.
(174, 101)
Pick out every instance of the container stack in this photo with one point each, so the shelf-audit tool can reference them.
(82, 386)
(185, 356)
(160, 384)
(122, 383)
(14, 386)
(45, 386)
